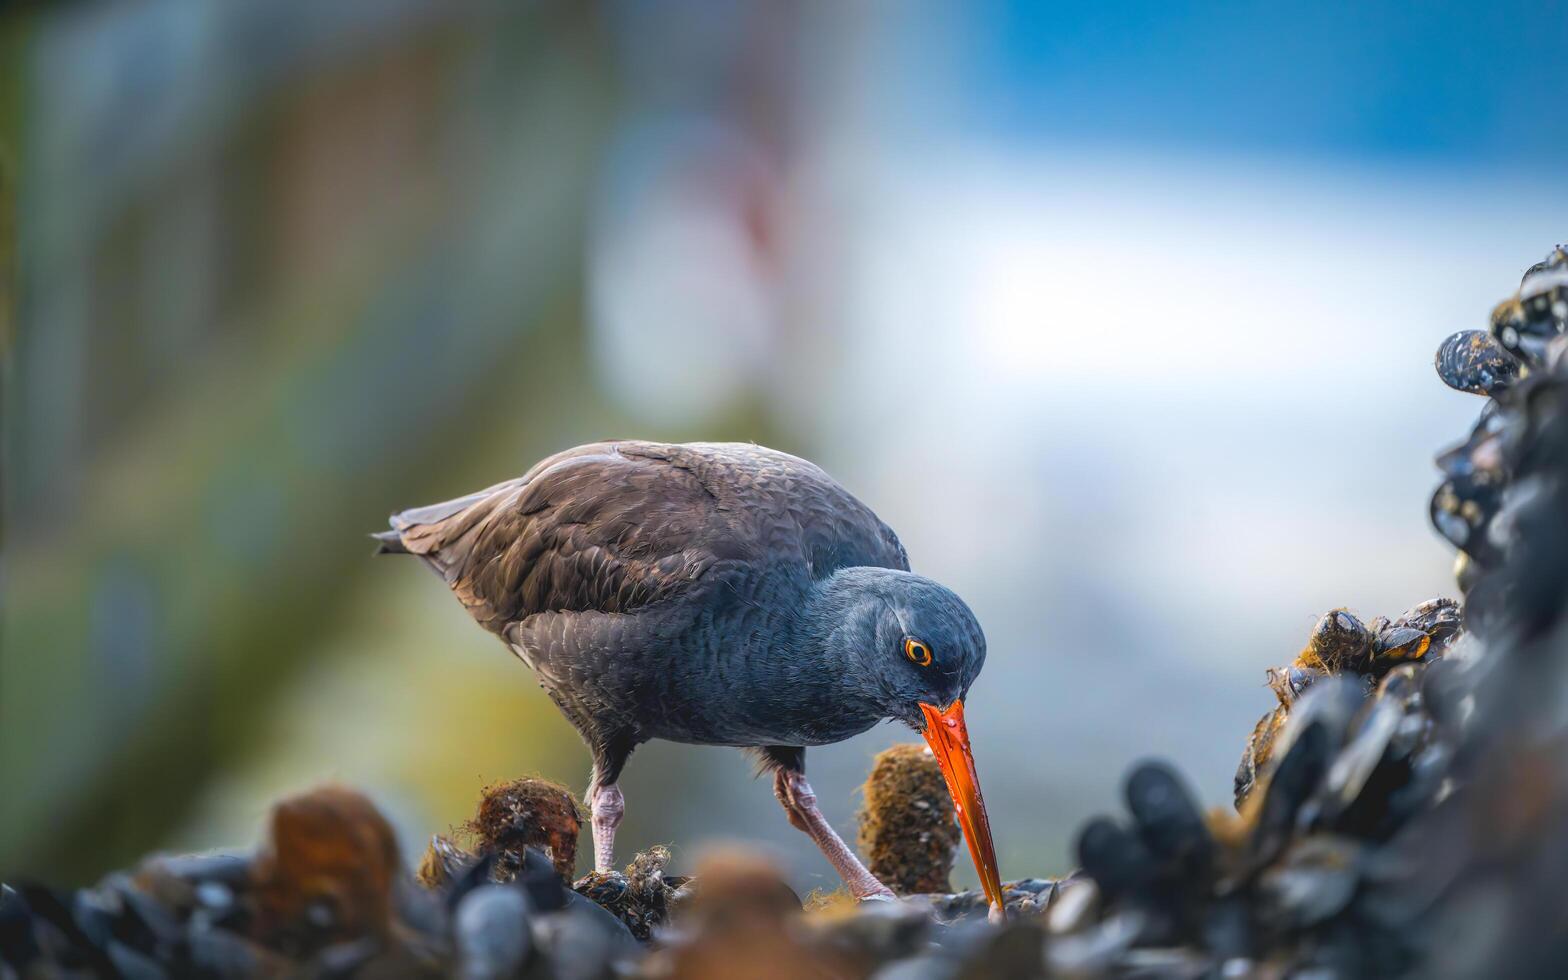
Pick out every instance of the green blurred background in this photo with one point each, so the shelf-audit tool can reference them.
(1124, 321)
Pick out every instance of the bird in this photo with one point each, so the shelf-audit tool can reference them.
(715, 594)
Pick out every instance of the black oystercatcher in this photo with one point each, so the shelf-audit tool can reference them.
(719, 594)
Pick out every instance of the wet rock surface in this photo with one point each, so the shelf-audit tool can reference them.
(1399, 811)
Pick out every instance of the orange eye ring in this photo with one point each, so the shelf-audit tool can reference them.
(917, 652)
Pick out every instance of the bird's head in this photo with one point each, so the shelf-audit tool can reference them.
(919, 647)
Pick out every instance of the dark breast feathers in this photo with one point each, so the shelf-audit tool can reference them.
(619, 527)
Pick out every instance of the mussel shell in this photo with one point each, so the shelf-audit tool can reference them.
(1339, 640)
(491, 931)
(1543, 296)
(1314, 880)
(1525, 324)
(1290, 682)
(1471, 360)
(1354, 765)
(1557, 258)
(1398, 644)
(1115, 857)
(1442, 619)
(1166, 816)
(1485, 451)
(1294, 779)
(1461, 510)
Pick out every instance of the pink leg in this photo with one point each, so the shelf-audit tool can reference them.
(608, 805)
(800, 803)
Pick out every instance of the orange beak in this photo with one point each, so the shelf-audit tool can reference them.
(949, 741)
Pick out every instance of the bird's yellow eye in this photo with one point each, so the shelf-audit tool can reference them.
(917, 651)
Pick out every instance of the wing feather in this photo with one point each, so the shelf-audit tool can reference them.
(615, 527)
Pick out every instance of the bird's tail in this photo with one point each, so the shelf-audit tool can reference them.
(390, 543)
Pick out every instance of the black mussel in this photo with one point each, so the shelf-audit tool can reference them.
(1366, 770)
(1543, 295)
(537, 874)
(1334, 700)
(132, 964)
(1461, 510)
(1482, 456)
(640, 897)
(1313, 880)
(1290, 682)
(1338, 641)
(882, 931)
(18, 946)
(1466, 572)
(478, 874)
(1016, 950)
(1556, 352)
(1525, 325)
(57, 930)
(226, 955)
(1441, 619)
(1471, 360)
(582, 938)
(608, 888)
(1166, 816)
(343, 959)
(1228, 929)
(443, 862)
(1400, 644)
(1557, 258)
(145, 924)
(1093, 950)
(1429, 770)
(491, 932)
(1295, 777)
(1256, 754)
(1115, 857)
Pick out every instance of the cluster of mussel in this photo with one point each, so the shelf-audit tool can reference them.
(326, 894)
(1399, 811)
(1526, 342)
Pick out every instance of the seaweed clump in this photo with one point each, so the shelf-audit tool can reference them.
(641, 896)
(325, 871)
(907, 831)
(523, 813)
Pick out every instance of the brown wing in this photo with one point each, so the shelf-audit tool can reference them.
(586, 529)
(785, 507)
(613, 527)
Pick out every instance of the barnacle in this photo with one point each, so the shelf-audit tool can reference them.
(907, 830)
(523, 813)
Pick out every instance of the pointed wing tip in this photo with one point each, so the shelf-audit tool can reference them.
(389, 543)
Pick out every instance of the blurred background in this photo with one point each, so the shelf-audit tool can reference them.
(1123, 318)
